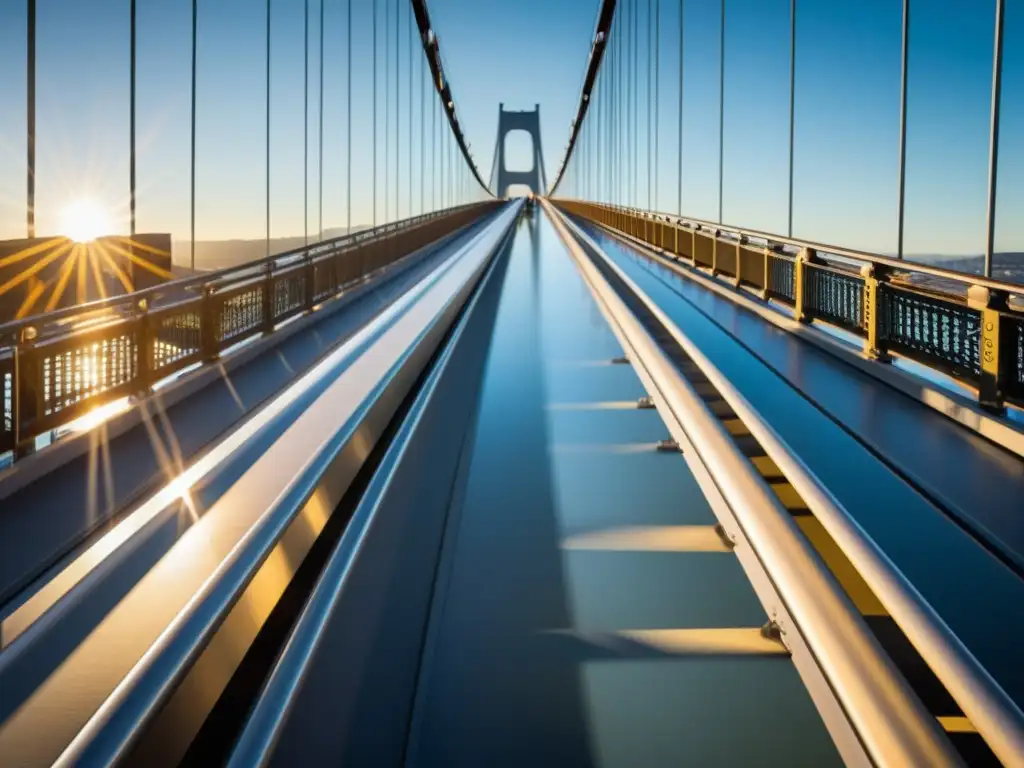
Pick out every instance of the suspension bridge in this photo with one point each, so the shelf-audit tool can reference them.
(625, 473)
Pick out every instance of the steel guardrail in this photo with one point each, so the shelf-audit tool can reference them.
(887, 716)
(996, 716)
(52, 373)
(966, 327)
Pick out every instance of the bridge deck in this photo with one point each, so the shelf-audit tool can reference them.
(48, 518)
(527, 658)
(912, 478)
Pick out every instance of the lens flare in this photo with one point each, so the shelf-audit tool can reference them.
(85, 220)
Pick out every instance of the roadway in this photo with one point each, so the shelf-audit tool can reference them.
(551, 636)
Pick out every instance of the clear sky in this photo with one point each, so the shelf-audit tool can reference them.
(519, 53)
(846, 118)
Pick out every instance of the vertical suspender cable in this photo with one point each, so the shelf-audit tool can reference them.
(387, 108)
(423, 134)
(792, 106)
(635, 197)
(192, 171)
(721, 112)
(398, 115)
(131, 120)
(320, 128)
(305, 124)
(374, 35)
(409, 27)
(650, 125)
(267, 148)
(679, 159)
(348, 132)
(900, 191)
(657, 83)
(30, 117)
(993, 142)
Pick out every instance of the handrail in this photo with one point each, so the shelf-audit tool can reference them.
(269, 717)
(56, 371)
(10, 330)
(823, 248)
(889, 719)
(983, 701)
(975, 335)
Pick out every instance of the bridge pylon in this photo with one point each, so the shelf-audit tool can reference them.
(534, 178)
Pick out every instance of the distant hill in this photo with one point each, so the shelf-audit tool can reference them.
(221, 254)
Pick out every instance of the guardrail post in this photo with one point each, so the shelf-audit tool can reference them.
(873, 349)
(310, 271)
(209, 321)
(714, 251)
(740, 242)
(990, 387)
(766, 254)
(268, 297)
(805, 257)
(27, 405)
(145, 347)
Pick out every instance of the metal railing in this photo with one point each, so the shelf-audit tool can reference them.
(58, 366)
(832, 635)
(968, 327)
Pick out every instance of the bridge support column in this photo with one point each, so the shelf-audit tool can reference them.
(989, 303)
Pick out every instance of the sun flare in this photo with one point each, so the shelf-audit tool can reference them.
(85, 220)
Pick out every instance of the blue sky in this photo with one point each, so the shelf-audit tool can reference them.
(846, 119)
(521, 53)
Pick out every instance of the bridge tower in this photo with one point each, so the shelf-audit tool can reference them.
(534, 178)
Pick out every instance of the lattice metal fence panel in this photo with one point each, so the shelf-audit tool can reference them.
(781, 278)
(931, 330)
(241, 313)
(835, 297)
(72, 375)
(176, 337)
(323, 279)
(1015, 349)
(7, 387)
(289, 294)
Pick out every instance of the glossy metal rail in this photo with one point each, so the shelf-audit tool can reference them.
(57, 366)
(186, 625)
(969, 328)
(989, 708)
(436, 424)
(886, 716)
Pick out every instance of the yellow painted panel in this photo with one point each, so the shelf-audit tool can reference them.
(766, 466)
(788, 496)
(957, 724)
(852, 583)
(650, 538)
(727, 640)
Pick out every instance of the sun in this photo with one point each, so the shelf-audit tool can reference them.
(85, 220)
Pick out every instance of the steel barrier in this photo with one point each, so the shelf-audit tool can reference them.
(57, 366)
(967, 327)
